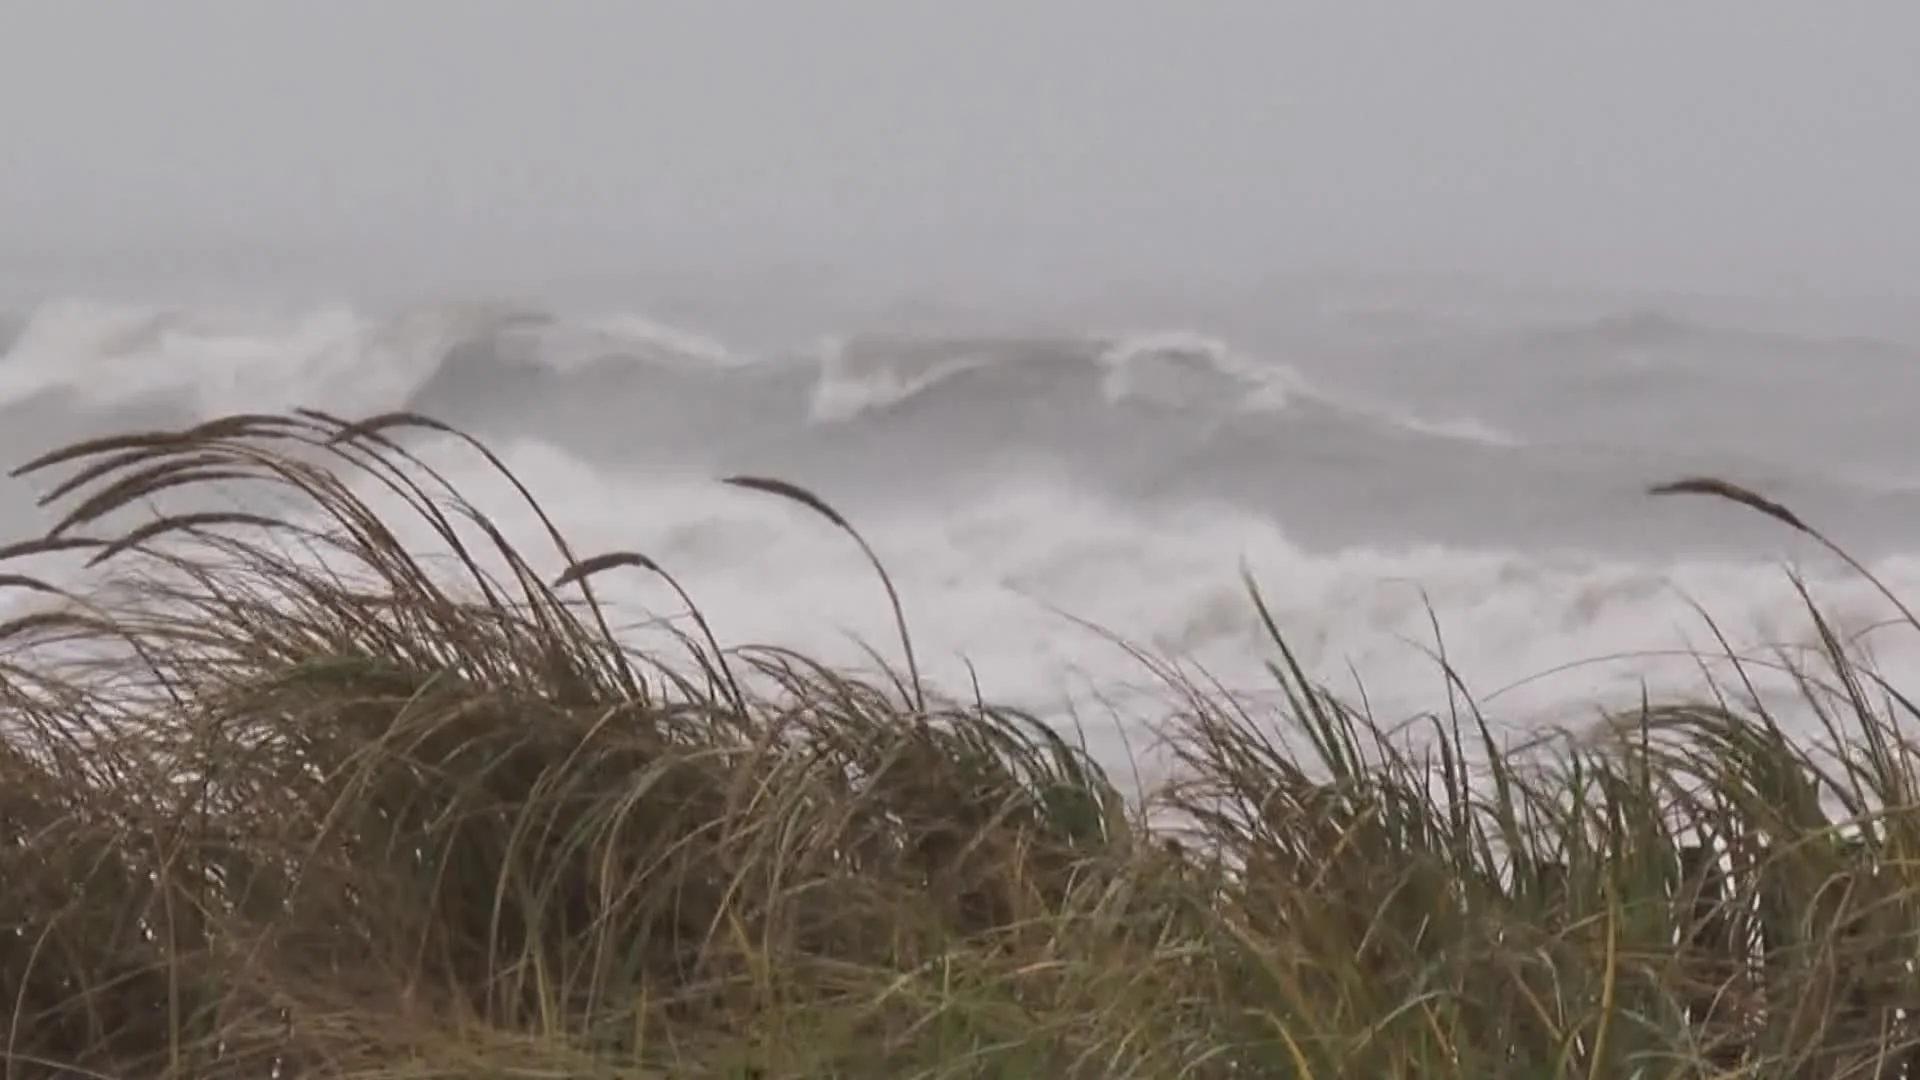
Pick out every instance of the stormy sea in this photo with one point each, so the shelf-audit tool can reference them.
(1402, 480)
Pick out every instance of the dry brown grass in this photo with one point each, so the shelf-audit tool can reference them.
(291, 799)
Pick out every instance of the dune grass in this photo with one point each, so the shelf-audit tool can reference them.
(401, 815)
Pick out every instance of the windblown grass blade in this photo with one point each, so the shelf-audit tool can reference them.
(48, 545)
(178, 524)
(151, 441)
(795, 493)
(599, 564)
(1722, 489)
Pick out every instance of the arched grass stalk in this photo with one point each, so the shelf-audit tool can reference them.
(916, 692)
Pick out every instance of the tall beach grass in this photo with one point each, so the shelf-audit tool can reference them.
(282, 796)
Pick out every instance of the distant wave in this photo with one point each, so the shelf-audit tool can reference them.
(1585, 412)
(485, 357)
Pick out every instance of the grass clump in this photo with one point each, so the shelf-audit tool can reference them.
(282, 797)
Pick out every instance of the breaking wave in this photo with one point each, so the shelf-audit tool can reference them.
(1119, 477)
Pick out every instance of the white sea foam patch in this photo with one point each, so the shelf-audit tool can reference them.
(566, 346)
(1004, 587)
(110, 354)
(1001, 588)
(851, 384)
(1151, 366)
(1155, 366)
(258, 358)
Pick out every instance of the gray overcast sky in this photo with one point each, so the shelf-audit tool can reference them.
(1758, 145)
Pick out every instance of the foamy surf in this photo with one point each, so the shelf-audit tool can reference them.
(1019, 587)
(1025, 490)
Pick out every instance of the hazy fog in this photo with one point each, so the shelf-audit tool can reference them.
(1746, 146)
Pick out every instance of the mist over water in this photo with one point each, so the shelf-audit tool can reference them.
(1074, 309)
